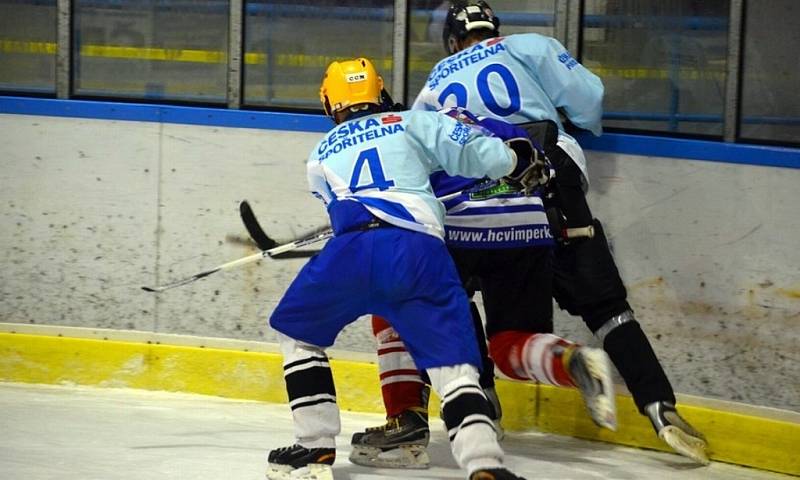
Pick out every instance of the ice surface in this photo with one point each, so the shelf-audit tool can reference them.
(81, 433)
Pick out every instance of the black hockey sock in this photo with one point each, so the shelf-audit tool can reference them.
(632, 354)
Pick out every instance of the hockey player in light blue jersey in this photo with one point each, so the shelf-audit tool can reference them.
(528, 78)
(519, 78)
(387, 257)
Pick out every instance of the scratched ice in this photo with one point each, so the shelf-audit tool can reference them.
(72, 433)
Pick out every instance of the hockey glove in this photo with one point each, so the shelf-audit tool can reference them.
(532, 170)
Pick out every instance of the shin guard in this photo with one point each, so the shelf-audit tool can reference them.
(466, 415)
(312, 396)
(631, 352)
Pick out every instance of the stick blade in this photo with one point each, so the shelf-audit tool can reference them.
(258, 235)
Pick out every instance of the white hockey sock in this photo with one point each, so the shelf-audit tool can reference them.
(312, 396)
(465, 411)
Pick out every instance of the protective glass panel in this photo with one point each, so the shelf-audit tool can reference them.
(771, 72)
(662, 62)
(426, 46)
(28, 46)
(288, 45)
(151, 49)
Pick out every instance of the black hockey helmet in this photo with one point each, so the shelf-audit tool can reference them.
(465, 16)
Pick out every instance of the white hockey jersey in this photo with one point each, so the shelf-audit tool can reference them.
(379, 165)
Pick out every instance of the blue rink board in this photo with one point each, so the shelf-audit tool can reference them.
(647, 145)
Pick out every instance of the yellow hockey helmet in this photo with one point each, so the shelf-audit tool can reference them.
(349, 83)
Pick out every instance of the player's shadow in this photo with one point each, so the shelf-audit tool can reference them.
(532, 452)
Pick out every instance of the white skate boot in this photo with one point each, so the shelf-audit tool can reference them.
(590, 369)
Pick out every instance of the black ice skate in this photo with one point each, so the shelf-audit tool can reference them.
(494, 474)
(590, 369)
(299, 463)
(400, 443)
(676, 431)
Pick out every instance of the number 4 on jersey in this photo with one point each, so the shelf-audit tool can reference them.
(372, 159)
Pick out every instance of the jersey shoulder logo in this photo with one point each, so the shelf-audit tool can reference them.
(391, 118)
(567, 60)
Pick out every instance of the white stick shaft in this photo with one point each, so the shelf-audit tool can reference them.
(324, 235)
(243, 261)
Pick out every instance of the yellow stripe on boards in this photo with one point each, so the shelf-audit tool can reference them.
(734, 437)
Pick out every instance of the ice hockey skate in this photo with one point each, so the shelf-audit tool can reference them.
(299, 463)
(677, 432)
(494, 474)
(400, 443)
(590, 369)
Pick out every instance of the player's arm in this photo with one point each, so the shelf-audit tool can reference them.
(505, 151)
(569, 85)
(317, 183)
(458, 148)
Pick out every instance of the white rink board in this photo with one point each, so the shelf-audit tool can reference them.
(81, 433)
(90, 210)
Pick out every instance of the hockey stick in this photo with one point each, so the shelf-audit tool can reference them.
(258, 235)
(265, 242)
(272, 252)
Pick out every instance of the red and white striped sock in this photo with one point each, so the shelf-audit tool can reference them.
(541, 357)
(401, 383)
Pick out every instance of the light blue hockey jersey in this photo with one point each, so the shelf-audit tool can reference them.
(520, 78)
(381, 164)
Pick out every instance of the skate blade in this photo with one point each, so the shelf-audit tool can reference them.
(603, 413)
(407, 456)
(685, 444)
(313, 471)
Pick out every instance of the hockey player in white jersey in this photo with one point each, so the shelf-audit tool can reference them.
(387, 257)
(527, 78)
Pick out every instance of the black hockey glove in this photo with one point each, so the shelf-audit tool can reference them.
(531, 170)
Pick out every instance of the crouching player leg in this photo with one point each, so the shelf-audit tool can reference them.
(404, 276)
(587, 283)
